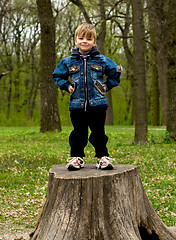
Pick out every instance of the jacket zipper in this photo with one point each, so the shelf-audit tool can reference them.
(85, 83)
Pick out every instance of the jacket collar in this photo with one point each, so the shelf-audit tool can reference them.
(94, 51)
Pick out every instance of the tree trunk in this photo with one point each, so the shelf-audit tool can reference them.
(158, 21)
(155, 97)
(3, 9)
(101, 48)
(171, 116)
(109, 115)
(129, 57)
(155, 81)
(50, 120)
(17, 92)
(9, 97)
(94, 204)
(139, 74)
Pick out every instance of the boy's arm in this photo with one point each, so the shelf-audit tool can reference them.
(113, 73)
(60, 76)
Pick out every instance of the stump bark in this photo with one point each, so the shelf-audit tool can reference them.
(93, 204)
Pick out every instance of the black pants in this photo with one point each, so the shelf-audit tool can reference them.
(95, 120)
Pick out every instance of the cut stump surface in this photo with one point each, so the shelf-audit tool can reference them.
(92, 204)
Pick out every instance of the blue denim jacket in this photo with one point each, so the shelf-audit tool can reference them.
(81, 72)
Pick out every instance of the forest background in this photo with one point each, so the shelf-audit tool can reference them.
(139, 35)
(34, 37)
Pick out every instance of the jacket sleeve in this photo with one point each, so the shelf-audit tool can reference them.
(61, 74)
(113, 73)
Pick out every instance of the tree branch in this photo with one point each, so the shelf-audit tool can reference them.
(79, 4)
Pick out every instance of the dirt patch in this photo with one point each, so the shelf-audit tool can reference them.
(14, 232)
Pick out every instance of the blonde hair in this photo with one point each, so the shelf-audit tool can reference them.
(86, 30)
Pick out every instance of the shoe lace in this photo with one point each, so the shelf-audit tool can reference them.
(70, 159)
(107, 158)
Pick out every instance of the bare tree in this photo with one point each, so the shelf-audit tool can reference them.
(50, 120)
(80, 5)
(139, 73)
(3, 9)
(19, 56)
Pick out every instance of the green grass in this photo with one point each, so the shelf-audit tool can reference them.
(26, 155)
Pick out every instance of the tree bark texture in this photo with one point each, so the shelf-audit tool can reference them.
(109, 116)
(139, 74)
(171, 116)
(93, 204)
(155, 81)
(50, 120)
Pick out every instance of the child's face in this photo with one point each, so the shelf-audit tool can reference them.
(84, 44)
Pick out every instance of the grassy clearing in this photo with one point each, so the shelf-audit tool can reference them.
(26, 155)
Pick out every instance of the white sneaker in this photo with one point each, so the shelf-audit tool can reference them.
(104, 163)
(75, 163)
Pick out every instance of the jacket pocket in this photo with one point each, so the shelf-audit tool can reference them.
(96, 71)
(74, 72)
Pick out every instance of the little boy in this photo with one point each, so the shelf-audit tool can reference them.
(81, 75)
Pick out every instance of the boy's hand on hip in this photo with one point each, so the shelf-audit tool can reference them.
(104, 87)
(71, 89)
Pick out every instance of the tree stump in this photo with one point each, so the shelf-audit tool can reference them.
(93, 204)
